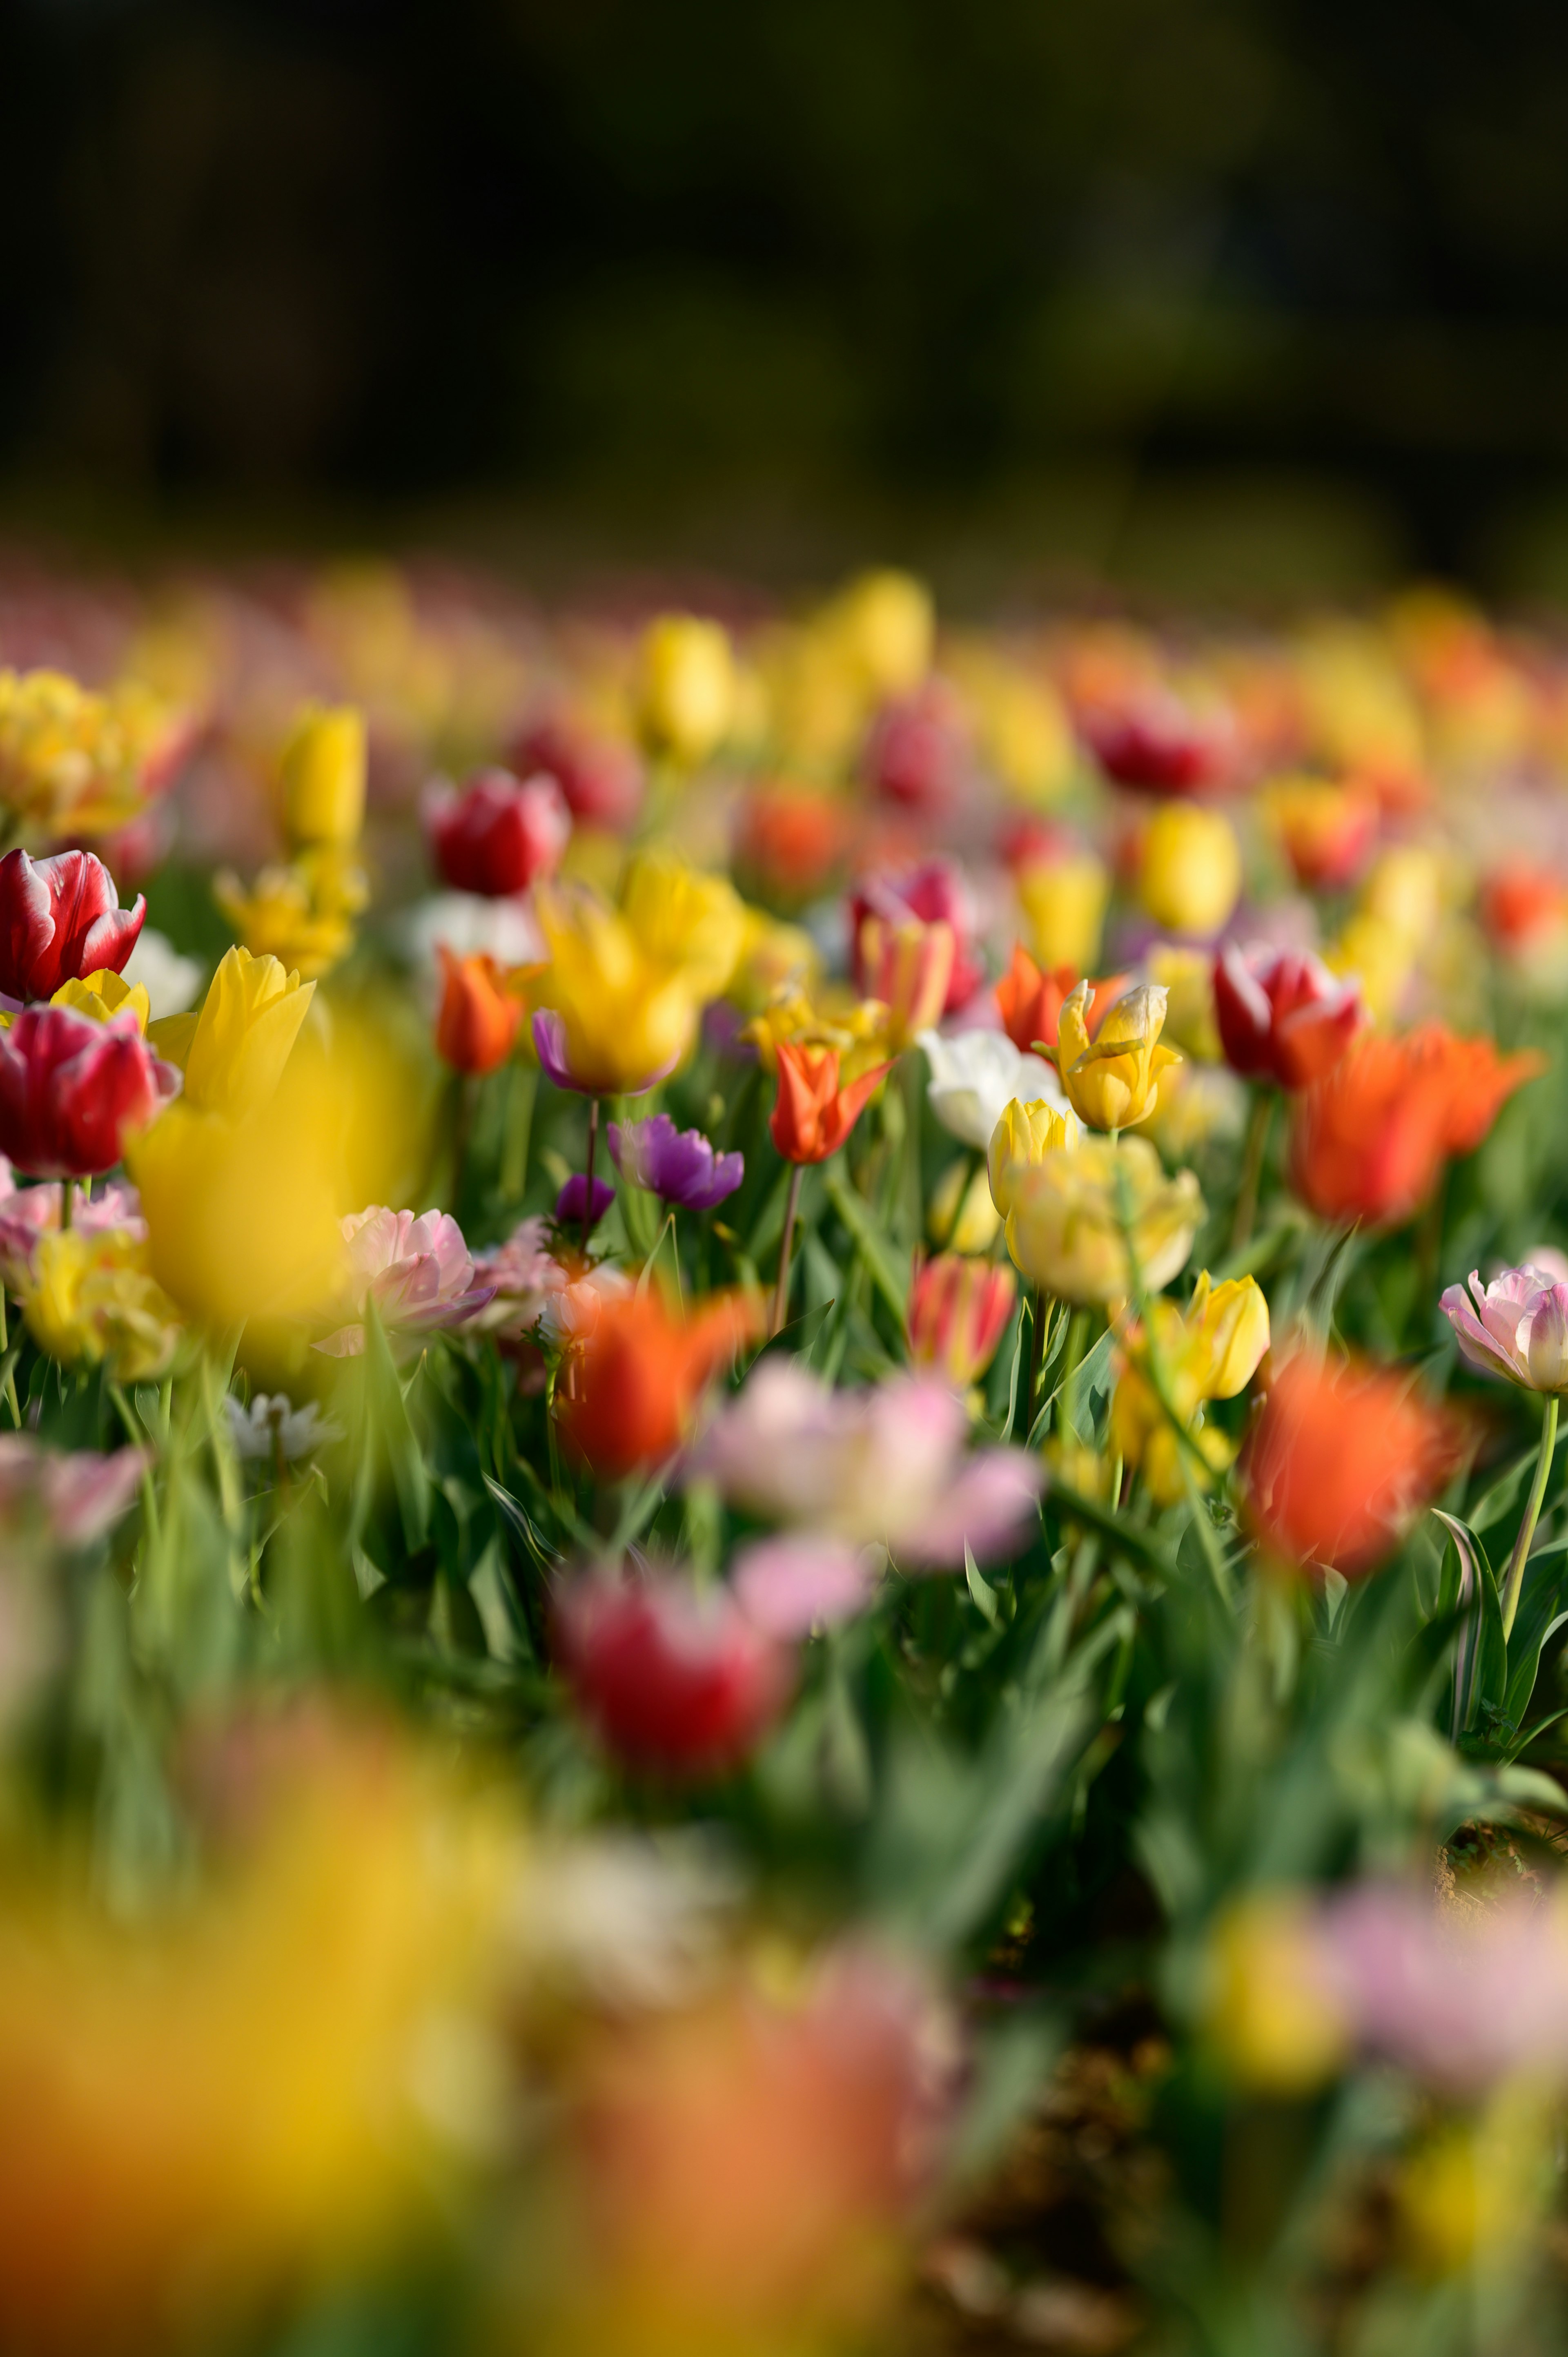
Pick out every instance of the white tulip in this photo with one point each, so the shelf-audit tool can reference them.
(975, 1075)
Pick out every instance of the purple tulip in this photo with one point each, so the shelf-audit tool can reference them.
(569, 1201)
(679, 1165)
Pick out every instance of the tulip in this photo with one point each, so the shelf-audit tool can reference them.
(61, 919)
(73, 760)
(1518, 1327)
(1024, 1136)
(100, 996)
(1523, 907)
(1030, 1002)
(960, 1213)
(576, 1207)
(907, 966)
(1328, 829)
(916, 752)
(417, 1271)
(1341, 1459)
(1190, 878)
(91, 1298)
(932, 894)
(600, 775)
(884, 624)
(244, 1035)
(887, 1467)
(1209, 1350)
(813, 1116)
(1281, 1015)
(323, 773)
(28, 1213)
(975, 1075)
(958, 1313)
(496, 836)
(76, 1495)
(1370, 1139)
(683, 918)
(1064, 900)
(72, 1090)
(1476, 1082)
(678, 1682)
(855, 1029)
(678, 1166)
(789, 840)
(273, 1431)
(791, 1586)
(1112, 1079)
(1065, 1226)
(687, 687)
(1159, 743)
(616, 1021)
(480, 1011)
(632, 1383)
(302, 914)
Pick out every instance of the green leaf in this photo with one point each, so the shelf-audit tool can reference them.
(392, 1435)
(1469, 1588)
(984, 1595)
(890, 1278)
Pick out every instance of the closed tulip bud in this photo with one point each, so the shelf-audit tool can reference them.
(1162, 744)
(1113, 1079)
(958, 1313)
(672, 1680)
(1064, 903)
(244, 1034)
(1190, 876)
(1065, 1228)
(885, 625)
(323, 775)
(813, 1114)
(1209, 1350)
(480, 1011)
(1025, 1134)
(687, 687)
(1229, 1327)
(496, 837)
(907, 966)
(61, 919)
(72, 1090)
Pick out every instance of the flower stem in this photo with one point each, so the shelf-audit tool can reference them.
(1257, 1146)
(67, 1202)
(793, 1204)
(1513, 1578)
(1036, 1359)
(588, 1187)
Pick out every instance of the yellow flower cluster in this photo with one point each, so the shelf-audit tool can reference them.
(93, 1300)
(1209, 1350)
(301, 911)
(71, 758)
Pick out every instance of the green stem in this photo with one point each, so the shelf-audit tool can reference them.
(1513, 1578)
(518, 1128)
(1036, 1359)
(67, 1202)
(1257, 1146)
(793, 1204)
(588, 1183)
(1067, 1388)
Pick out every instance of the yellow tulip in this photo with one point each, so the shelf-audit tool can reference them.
(1114, 1080)
(302, 914)
(1208, 1351)
(91, 1299)
(628, 1015)
(1190, 879)
(680, 918)
(323, 773)
(100, 996)
(1064, 903)
(1025, 1134)
(244, 1034)
(962, 1214)
(1270, 2015)
(1065, 1227)
(857, 1027)
(687, 686)
(885, 625)
(72, 758)
(1229, 1327)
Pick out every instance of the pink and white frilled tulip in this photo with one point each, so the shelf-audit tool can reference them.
(889, 1466)
(417, 1270)
(1515, 1327)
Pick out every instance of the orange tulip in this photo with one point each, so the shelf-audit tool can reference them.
(625, 1394)
(481, 1007)
(813, 1114)
(1342, 1456)
(1030, 1001)
(1371, 1137)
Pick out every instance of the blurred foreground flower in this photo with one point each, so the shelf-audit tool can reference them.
(672, 1679)
(626, 1396)
(61, 919)
(1065, 1220)
(1342, 1458)
(91, 1298)
(28, 1213)
(889, 1464)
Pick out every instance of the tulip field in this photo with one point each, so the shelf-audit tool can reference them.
(783, 1541)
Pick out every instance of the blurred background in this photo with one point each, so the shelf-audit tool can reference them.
(1236, 298)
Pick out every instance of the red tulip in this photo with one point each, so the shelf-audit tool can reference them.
(1282, 1016)
(1155, 741)
(958, 1313)
(59, 919)
(669, 1680)
(71, 1090)
(625, 1397)
(1342, 1456)
(496, 836)
(601, 777)
(481, 1008)
(1522, 904)
(916, 752)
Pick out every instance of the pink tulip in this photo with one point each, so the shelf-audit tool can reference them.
(417, 1270)
(1516, 1328)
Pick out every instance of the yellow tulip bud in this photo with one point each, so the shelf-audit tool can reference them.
(886, 624)
(1024, 1134)
(324, 776)
(1114, 1080)
(1191, 873)
(100, 996)
(687, 687)
(1208, 1351)
(1229, 1324)
(1064, 903)
(1065, 1227)
(960, 1213)
(244, 1034)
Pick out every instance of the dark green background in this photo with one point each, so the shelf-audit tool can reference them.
(1162, 287)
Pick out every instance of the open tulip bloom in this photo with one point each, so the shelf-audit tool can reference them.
(678, 1166)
